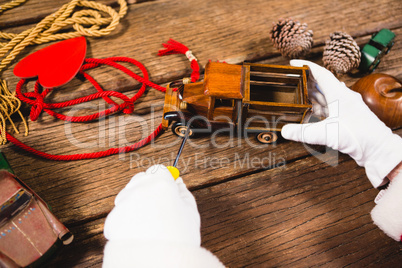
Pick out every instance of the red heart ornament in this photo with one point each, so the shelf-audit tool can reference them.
(54, 65)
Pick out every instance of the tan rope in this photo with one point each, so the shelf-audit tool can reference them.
(11, 5)
(90, 14)
(9, 104)
(46, 30)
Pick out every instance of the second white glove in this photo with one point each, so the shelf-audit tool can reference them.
(350, 127)
(154, 207)
(155, 223)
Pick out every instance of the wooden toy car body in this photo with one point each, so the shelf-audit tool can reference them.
(247, 98)
(29, 232)
(378, 46)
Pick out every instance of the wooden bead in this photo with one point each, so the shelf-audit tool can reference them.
(383, 95)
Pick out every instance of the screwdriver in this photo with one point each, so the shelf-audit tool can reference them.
(173, 169)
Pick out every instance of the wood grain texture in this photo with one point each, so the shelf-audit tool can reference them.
(279, 217)
(34, 11)
(300, 216)
(255, 210)
(223, 31)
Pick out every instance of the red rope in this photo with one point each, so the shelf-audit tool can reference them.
(71, 157)
(36, 99)
(174, 47)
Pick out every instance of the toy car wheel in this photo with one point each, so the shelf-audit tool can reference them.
(180, 130)
(267, 137)
(389, 48)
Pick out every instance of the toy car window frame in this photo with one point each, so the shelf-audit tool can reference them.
(220, 102)
(14, 205)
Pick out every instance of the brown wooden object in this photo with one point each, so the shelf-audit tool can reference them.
(223, 80)
(383, 95)
(259, 98)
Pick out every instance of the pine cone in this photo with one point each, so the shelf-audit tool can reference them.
(292, 38)
(341, 53)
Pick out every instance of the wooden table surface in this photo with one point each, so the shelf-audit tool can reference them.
(271, 205)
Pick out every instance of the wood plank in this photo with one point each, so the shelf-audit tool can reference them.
(95, 182)
(303, 214)
(91, 184)
(222, 31)
(86, 250)
(253, 203)
(33, 11)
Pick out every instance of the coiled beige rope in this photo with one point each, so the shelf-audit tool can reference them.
(46, 30)
(9, 104)
(11, 5)
(68, 19)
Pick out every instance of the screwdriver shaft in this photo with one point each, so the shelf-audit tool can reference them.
(181, 146)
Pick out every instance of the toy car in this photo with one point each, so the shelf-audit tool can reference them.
(29, 232)
(256, 98)
(378, 46)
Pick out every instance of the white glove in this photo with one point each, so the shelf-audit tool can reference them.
(350, 127)
(155, 223)
(387, 213)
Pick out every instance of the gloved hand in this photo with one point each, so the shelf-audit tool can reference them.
(155, 223)
(387, 213)
(350, 126)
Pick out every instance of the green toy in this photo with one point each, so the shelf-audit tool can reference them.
(378, 46)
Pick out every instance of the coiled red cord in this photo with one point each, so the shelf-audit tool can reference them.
(36, 99)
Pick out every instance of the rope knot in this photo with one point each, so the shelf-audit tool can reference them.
(174, 47)
(190, 56)
(87, 17)
(37, 107)
(130, 107)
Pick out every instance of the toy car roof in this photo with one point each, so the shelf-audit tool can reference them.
(223, 80)
(383, 37)
(8, 188)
